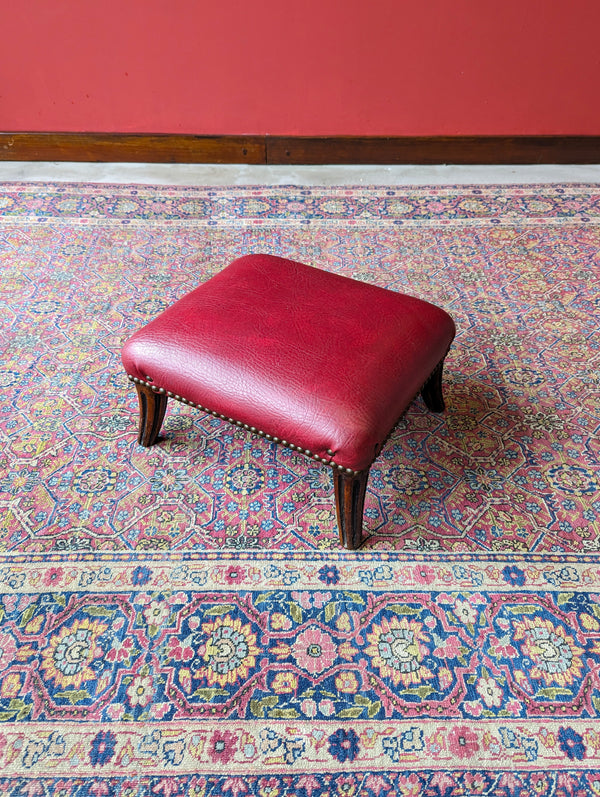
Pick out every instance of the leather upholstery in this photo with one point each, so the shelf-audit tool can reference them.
(322, 361)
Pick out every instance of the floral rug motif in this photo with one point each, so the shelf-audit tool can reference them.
(259, 674)
(182, 621)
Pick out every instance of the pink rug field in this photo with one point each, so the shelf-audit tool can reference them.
(513, 465)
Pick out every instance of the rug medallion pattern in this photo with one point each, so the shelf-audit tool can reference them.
(181, 620)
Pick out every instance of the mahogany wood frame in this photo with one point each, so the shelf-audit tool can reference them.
(296, 150)
(349, 488)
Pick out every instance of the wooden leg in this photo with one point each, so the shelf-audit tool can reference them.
(432, 390)
(349, 503)
(152, 411)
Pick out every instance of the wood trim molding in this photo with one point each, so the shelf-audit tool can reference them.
(296, 150)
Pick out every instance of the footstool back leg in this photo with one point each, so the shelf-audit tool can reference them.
(350, 492)
(432, 390)
(152, 412)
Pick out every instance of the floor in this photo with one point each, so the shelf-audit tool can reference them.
(241, 174)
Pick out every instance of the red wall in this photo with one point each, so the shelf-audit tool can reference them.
(301, 67)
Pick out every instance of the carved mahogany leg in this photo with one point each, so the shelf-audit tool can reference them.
(432, 390)
(349, 503)
(152, 412)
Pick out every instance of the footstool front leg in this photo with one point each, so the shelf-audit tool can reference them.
(350, 492)
(152, 412)
(432, 390)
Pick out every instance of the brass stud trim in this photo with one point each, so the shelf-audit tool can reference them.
(273, 438)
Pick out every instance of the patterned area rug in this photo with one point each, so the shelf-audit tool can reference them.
(181, 620)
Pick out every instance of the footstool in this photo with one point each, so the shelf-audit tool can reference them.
(311, 360)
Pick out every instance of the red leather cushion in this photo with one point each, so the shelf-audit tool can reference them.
(322, 361)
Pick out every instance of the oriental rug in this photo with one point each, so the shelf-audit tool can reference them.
(181, 620)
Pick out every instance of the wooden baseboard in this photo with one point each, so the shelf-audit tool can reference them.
(436, 150)
(296, 150)
(131, 148)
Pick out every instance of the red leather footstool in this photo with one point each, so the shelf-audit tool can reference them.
(314, 361)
